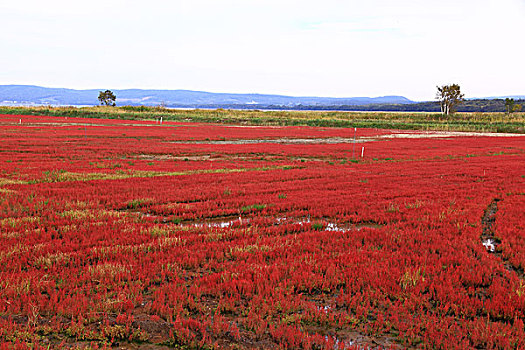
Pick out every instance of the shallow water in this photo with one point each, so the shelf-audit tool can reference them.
(489, 244)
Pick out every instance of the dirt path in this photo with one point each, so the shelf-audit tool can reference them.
(332, 140)
(487, 223)
(491, 242)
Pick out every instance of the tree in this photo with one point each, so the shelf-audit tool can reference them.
(107, 98)
(510, 105)
(449, 97)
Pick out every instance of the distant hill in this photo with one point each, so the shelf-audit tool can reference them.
(516, 97)
(36, 95)
(470, 105)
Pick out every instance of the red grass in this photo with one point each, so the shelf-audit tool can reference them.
(111, 233)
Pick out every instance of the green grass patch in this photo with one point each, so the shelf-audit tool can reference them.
(253, 207)
(483, 122)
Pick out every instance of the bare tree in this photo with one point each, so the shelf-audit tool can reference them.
(449, 97)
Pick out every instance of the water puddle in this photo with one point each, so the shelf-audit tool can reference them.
(341, 344)
(234, 221)
(334, 227)
(488, 222)
(339, 227)
(220, 223)
(325, 308)
(360, 342)
(489, 244)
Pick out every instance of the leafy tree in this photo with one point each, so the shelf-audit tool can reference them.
(449, 97)
(510, 105)
(107, 98)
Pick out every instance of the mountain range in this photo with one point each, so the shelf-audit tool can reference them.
(30, 95)
(37, 95)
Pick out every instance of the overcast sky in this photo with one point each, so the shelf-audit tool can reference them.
(315, 48)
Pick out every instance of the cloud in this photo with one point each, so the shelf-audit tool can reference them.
(334, 47)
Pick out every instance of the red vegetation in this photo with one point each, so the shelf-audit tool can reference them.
(124, 232)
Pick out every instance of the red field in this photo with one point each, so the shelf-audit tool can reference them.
(135, 234)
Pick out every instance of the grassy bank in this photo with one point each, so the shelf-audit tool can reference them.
(485, 122)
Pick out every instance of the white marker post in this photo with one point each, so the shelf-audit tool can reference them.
(362, 152)
(161, 120)
(353, 144)
(20, 120)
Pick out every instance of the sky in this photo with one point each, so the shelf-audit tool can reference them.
(301, 48)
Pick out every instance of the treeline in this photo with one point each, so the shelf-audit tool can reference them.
(473, 106)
